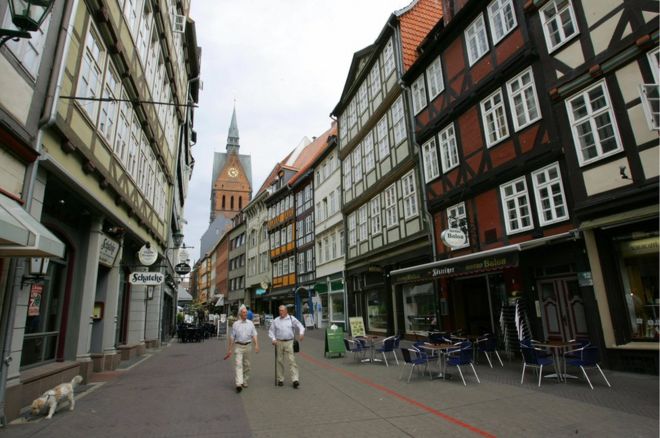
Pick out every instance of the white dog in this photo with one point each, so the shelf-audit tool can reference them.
(53, 396)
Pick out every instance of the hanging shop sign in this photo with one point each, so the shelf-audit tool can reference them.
(147, 255)
(182, 268)
(108, 251)
(146, 278)
(453, 237)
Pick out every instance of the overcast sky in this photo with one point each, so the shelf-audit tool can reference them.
(285, 63)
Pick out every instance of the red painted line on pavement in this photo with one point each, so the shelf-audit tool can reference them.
(395, 394)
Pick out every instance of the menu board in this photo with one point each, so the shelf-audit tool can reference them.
(334, 341)
(357, 326)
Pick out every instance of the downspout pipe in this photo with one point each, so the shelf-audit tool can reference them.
(62, 50)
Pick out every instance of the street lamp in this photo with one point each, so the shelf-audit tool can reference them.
(27, 16)
(38, 271)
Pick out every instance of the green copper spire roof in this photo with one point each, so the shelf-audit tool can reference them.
(232, 138)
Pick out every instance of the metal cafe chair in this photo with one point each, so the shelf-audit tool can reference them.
(585, 357)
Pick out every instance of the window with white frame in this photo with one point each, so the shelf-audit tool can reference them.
(343, 128)
(595, 133)
(476, 39)
(435, 78)
(132, 10)
(391, 212)
(457, 218)
(326, 248)
(559, 23)
(382, 138)
(651, 92)
(363, 98)
(398, 121)
(89, 78)
(362, 223)
(494, 118)
(319, 252)
(374, 80)
(301, 262)
(430, 157)
(418, 91)
(448, 148)
(310, 260)
(341, 244)
(144, 34)
(357, 163)
(515, 201)
(285, 265)
(388, 62)
(376, 224)
(123, 130)
(292, 264)
(352, 236)
(333, 245)
(352, 112)
(347, 172)
(409, 195)
(549, 194)
(369, 158)
(28, 51)
(502, 18)
(111, 90)
(523, 99)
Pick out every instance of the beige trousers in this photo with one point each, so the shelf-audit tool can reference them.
(285, 353)
(242, 363)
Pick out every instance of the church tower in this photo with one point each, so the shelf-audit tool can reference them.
(231, 188)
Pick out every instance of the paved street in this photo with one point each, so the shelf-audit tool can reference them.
(186, 390)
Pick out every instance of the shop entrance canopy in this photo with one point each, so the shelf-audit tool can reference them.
(23, 235)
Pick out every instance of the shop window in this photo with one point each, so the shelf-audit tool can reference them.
(377, 311)
(42, 322)
(638, 263)
(419, 307)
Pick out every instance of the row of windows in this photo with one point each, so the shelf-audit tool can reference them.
(237, 262)
(326, 169)
(306, 261)
(304, 199)
(284, 266)
(280, 207)
(368, 219)
(281, 236)
(328, 206)
(369, 90)
(363, 158)
(330, 247)
(305, 230)
(237, 241)
(236, 283)
(548, 193)
(523, 104)
(263, 263)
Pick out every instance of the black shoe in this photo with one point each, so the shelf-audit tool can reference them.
(280, 383)
(296, 384)
(239, 388)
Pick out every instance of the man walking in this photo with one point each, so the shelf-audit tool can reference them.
(281, 334)
(243, 335)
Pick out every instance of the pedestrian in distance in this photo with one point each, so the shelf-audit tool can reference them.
(243, 336)
(282, 331)
(250, 315)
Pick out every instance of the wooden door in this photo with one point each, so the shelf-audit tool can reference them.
(562, 309)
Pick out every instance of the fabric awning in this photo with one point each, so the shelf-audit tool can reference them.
(23, 235)
(495, 258)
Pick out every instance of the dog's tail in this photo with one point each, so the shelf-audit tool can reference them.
(76, 381)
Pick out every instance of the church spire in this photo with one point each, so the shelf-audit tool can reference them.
(232, 137)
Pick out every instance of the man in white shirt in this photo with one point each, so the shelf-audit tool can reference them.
(243, 334)
(281, 334)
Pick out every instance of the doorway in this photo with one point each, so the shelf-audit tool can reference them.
(563, 309)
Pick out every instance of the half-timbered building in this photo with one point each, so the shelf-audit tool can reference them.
(601, 72)
(385, 224)
(494, 173)
(114, 137)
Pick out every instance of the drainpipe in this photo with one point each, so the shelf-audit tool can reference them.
(15, 270)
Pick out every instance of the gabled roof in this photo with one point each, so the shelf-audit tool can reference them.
(312, 152)
(417, 20)
(414, 21)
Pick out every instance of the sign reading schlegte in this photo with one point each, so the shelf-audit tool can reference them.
(146, 278)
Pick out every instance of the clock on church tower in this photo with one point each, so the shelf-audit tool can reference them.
(232, 172)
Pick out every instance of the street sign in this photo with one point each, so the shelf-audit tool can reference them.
(182, 268)
(146, 278)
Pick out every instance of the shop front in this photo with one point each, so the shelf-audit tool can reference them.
(329, 300)
(623, 254)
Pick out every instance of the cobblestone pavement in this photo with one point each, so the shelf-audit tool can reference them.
(186, 390)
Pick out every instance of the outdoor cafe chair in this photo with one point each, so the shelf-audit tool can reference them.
(355, 347)
(413, 357)
(463, 356)
(487, 344)
(388, 346)
(585, 357)
(535, 358)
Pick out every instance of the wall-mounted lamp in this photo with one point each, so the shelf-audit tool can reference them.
(27, 16)
(177, 239)
(38, 271)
